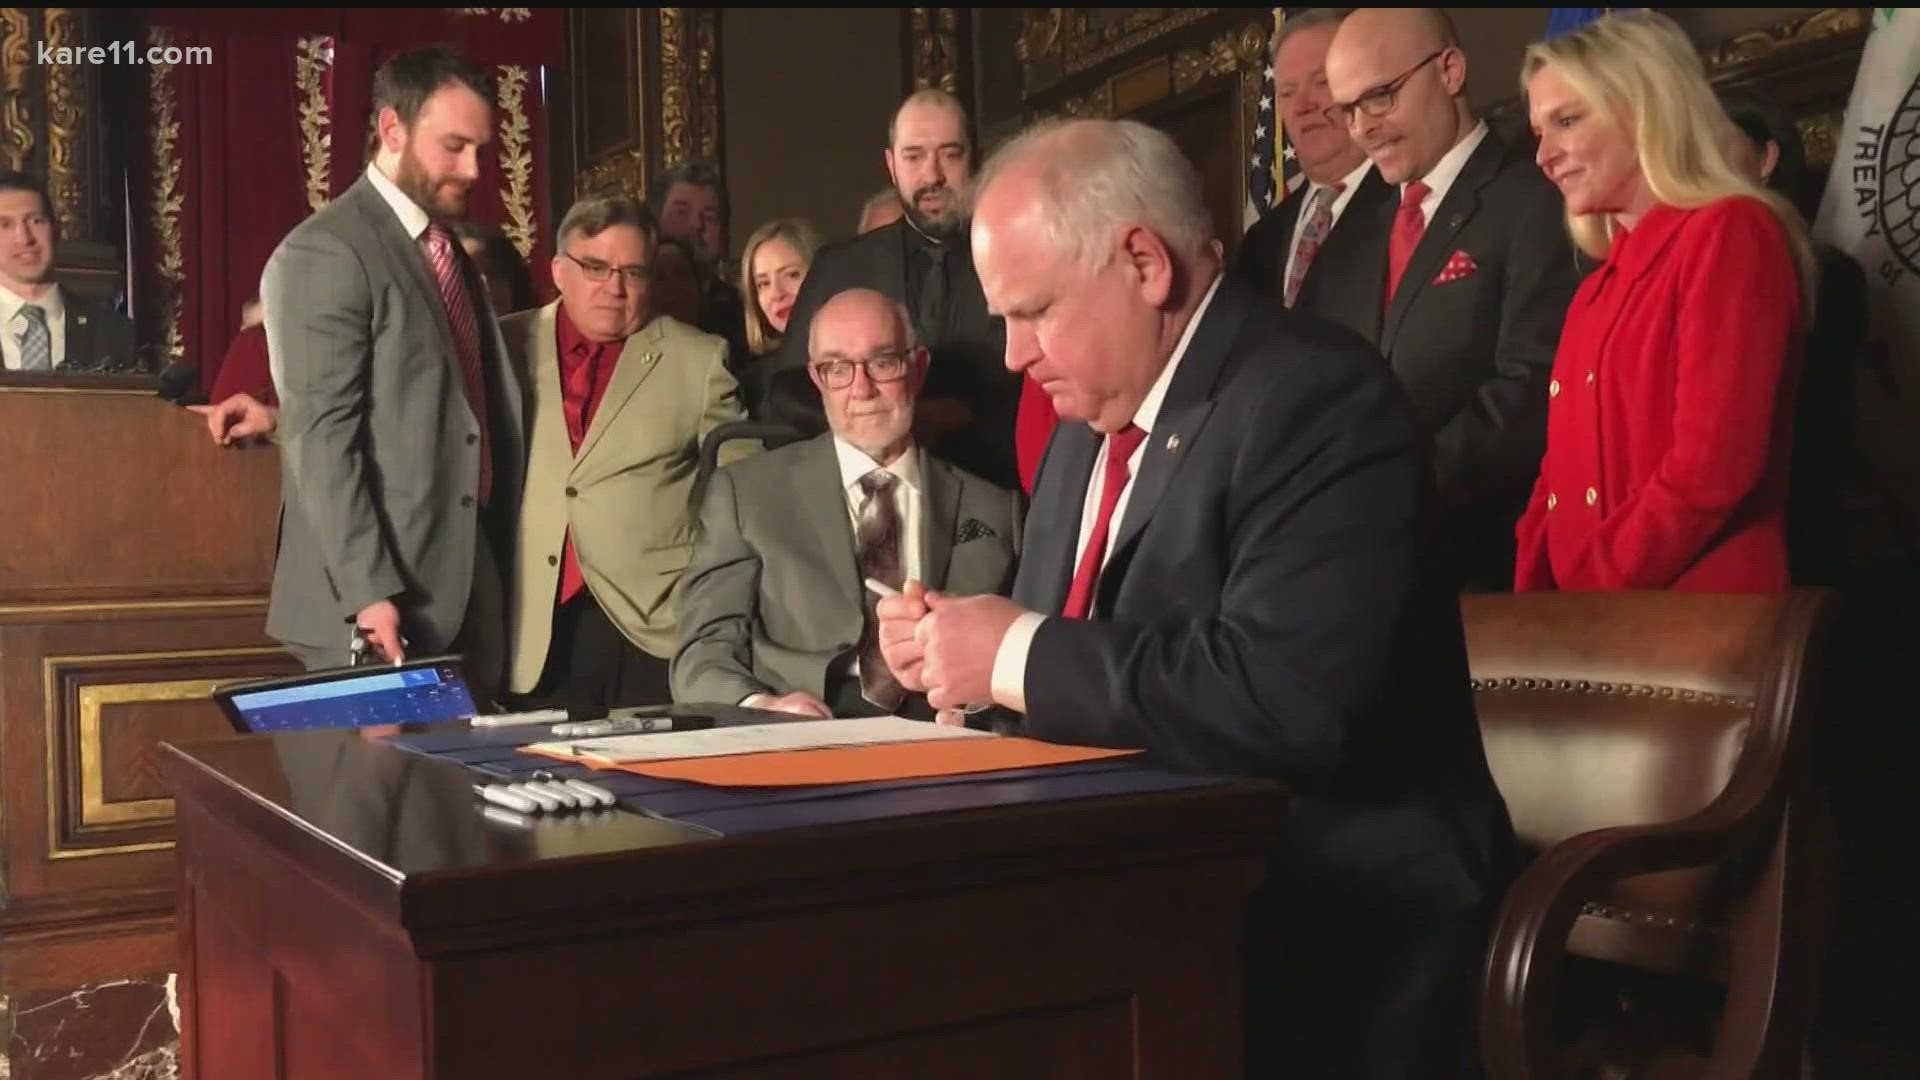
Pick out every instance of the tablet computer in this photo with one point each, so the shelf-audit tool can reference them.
(416, 692)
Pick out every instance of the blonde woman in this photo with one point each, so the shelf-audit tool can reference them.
(772, 266)
(1669, 424)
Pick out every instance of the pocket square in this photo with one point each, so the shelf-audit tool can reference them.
(974, 529)
(1459, 265)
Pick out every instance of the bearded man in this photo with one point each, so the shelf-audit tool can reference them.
(966, 411)
(400, 428)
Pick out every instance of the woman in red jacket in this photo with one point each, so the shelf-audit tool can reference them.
(1669, 426)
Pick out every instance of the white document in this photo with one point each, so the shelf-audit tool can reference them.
(757, 739)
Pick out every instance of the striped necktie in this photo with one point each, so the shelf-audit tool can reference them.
(36, 344)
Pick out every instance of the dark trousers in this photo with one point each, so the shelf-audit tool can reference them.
(592, 667)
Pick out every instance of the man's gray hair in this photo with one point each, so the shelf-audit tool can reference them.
(1097, 175)
(1307, 20)
(595, 214)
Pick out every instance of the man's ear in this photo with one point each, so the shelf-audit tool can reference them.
(1148, 260)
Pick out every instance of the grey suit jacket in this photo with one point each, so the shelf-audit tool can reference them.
(379, 450)
(772, 597)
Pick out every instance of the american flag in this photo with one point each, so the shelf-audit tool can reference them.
(1270, 157)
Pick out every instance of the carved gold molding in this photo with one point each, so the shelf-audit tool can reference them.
(168, 197)
(1762, 44)
(16, 63)
(516, 158)
(1222, 56)
(1058, 42)
(313, 56)
(936, 48)
(624, 172)
(96, 814)
(66, 128)
(506, 15)
(675, 140)
(689, 85)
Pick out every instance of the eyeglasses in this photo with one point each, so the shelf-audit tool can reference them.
(882, 367)
(1376, 102)
(597, 271)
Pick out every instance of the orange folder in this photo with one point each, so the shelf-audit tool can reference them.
(855, 764)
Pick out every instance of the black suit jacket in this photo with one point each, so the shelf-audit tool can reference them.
(1475, 354)
(1262, 263)
(969, 357)
(1265, 611)
(98, 337)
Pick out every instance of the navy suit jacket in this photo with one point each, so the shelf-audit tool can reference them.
(1270, 609)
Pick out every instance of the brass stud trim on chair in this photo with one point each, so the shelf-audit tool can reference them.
(1584, 686)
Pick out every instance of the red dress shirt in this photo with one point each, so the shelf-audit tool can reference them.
(244, 369)
(1669, 424)
(586, 369)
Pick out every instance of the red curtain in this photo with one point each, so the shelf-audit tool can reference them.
(238, 163)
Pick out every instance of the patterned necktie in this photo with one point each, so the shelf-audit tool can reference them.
(878, 552)
(1120, 447)
(1408, 225)
(36, 345)
(1312, 234)
(932, 308)
(466, 341)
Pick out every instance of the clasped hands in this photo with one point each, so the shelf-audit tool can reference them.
(944, 645)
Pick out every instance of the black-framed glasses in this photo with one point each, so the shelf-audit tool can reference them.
(597, 271)
(1376, 102)
(882, 367)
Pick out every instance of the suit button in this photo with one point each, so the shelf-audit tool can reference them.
(1592, 496)
(1552, 500)
(1553, 388)
(472, 438)
(553, 560)
(571, 492)
(1589, 378)
(466, 500)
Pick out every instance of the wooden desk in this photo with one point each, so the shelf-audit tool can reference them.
(347, 910)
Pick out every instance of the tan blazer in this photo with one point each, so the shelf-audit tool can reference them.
(626, 495)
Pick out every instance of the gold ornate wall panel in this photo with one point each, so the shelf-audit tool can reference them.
(939, 50)
(646, 92)
(1807, 65)
(52, 125)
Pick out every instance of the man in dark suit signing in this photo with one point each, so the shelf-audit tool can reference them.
(1462, 279)
(401, 445)
(1224, 566)
(43, 327)
(1279, 253)
(966, 413)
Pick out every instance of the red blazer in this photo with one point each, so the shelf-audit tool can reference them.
(244, 369)
(1669, 426)
(1032, 428)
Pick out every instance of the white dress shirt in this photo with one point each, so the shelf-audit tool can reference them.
(1440, 178)
(1010, 660)
(1349, 184)
(854, 464)
(412, 217)
(13, 326)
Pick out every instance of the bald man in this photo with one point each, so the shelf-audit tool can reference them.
(922, 260)
(1462, 280)
(1280, 253)
(772, 611)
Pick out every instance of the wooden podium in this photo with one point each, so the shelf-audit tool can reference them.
(347, 909)
(134, 562)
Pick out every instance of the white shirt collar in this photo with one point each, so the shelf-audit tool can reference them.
(1352, 180)
(1149, 411)
(52, 303)
(1441, 177)
(412, 218)
(854, 464)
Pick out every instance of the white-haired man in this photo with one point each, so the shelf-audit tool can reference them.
(1254, 603)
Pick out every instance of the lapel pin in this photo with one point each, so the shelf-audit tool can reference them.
(81, 319)
(1173, 441)
(1458, 220)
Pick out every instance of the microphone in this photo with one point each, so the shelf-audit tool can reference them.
(180, 384)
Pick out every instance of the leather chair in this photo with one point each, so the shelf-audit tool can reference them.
(1654, 753)
(771, 436)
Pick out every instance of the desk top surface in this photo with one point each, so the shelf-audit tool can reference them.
(406, 832)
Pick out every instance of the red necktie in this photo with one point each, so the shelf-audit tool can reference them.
(466, 341)
(1120, 447)
(1408, 224)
